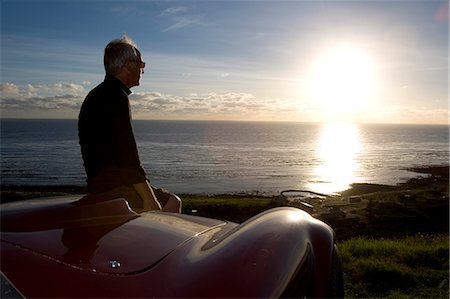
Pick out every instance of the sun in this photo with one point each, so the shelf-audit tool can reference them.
(341, 82)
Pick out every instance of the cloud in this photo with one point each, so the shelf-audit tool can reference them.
(58, 97)
(408, 114)
(29, 90)
(9, 89)
(60, 102)
(180, 18)
(174, 10)
(231, 105)
(64, 99)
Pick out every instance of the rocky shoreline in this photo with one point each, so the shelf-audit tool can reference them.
(418, 206)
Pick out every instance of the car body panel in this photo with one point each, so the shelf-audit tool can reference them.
(91, 236)
(74, 248)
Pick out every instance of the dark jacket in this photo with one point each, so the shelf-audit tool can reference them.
(106, 138)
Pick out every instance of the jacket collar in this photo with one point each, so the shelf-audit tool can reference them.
(113, 80)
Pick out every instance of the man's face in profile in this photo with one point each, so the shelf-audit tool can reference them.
(136, 68)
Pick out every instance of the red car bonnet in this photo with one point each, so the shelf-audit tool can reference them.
(104, 237)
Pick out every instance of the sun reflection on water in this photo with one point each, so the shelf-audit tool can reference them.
(337, 152)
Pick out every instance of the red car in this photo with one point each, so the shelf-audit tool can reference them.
(67, 247)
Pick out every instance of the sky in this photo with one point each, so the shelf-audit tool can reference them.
(304, 61)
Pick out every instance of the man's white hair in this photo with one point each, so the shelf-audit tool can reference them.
(118, 52)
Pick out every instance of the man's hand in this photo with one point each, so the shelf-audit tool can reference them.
(173, 205)
(148, 197)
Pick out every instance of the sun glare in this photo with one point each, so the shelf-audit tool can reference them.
(342, 82)
(338, 150)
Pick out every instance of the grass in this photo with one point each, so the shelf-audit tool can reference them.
(411, 267)
(232, 208)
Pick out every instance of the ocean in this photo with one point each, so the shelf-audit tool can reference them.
(208, 157)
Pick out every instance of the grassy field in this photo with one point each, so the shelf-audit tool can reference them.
(411, 267)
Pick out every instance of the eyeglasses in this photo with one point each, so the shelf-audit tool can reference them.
(141, 64)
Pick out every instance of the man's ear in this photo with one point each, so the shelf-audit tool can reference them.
(127, 66)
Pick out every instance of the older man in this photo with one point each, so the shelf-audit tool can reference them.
(106, 136)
